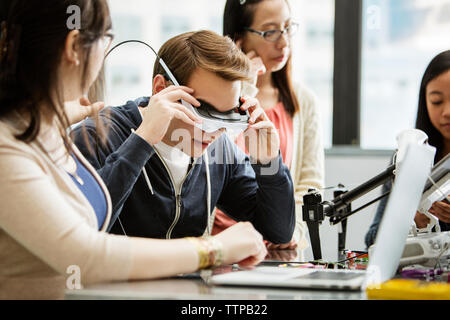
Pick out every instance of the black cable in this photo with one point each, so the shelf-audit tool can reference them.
(340, 218)
(167, 73)
(370, 203)
(106, 56)
(132, 41)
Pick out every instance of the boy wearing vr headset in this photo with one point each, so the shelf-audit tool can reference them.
(166, 161)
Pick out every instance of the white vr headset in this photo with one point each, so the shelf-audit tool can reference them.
(235, 120)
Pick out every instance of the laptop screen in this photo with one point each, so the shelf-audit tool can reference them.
(400, 211)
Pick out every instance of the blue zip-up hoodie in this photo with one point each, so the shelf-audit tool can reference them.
(147, 208)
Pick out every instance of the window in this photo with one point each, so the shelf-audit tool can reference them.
(400, 38)
(129, 69)
(313, 53)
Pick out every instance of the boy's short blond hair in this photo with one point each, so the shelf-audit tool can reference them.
(204, 49)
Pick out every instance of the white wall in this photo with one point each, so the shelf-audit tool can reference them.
(351, 171)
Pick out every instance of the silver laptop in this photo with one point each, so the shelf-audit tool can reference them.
(392, 234)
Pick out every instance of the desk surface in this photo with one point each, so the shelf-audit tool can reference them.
(196, 287)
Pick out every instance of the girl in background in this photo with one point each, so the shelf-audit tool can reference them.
(433, 118)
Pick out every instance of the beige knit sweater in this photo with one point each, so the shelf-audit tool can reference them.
(307, 167)
(46, 224)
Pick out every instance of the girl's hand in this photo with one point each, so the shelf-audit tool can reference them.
(257, 67)
(441, 210)
(79, 110)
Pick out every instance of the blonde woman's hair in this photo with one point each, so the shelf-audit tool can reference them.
(204, 49)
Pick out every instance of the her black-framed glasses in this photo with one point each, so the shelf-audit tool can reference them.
(275, 35)
(105, 40)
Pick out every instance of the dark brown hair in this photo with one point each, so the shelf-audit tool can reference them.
(239, 16)
(206, 50)
(37, 31)
(438, 66)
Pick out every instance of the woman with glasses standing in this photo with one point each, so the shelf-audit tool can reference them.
(263, 29)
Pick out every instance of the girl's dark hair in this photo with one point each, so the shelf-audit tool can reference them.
(239, 16)
(438, 66)
(35, 40)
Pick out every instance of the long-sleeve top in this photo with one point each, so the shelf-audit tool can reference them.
(47, 226)
(145, 202)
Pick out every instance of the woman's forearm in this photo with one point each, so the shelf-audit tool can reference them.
(161, 258)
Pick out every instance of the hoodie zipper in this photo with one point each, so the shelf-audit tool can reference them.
(178, 203)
